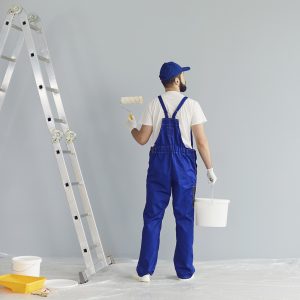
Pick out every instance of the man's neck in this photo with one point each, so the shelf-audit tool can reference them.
(172, 90)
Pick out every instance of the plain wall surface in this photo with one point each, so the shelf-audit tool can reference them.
(245, 72)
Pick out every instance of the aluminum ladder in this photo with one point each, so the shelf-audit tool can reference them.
(30, 30)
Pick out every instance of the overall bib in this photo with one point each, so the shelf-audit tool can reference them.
(172, 168)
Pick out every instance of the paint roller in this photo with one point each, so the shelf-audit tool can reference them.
(131, 100)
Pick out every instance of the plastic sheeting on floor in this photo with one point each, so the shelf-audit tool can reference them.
(214, 280)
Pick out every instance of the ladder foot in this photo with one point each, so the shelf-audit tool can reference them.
(83, 277)
(110, 260)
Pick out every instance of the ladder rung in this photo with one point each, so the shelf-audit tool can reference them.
(44, 59)
(35, 28)
(59, 120)
(76, 183)
(94, 246)
(50, 89)
(16, 27)
(84, 215)
(68, 152)
(13, 59)
(100, 264)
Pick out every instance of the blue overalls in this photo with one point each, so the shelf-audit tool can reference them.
(172, 168)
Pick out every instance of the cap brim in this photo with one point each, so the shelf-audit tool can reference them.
(185, 69)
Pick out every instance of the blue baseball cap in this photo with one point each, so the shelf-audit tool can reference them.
(170, 69)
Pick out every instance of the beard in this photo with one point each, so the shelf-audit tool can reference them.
(182, 87)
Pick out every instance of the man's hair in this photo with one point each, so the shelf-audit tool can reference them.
(170, 82)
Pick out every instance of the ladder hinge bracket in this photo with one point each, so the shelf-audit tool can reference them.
(70, 136)
(56, 135)
(33, 19)
(15, 10)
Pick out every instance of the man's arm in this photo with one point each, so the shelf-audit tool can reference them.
(142, 136)
(202, 144)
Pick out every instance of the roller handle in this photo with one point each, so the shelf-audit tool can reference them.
(131, 117)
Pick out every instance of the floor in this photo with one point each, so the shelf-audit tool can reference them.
(277, 279)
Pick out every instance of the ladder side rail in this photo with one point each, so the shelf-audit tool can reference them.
(77, 169)
(37, 72)
(73, 207)
(10, 69)
(52, 79)
(50, 122)
(5, 31)
(74, 159)
(87, 206)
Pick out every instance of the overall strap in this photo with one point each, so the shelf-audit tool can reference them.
(163, 106)
(178, 107)
(175, 112)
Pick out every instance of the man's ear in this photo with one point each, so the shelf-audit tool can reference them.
(177, 81)
(181, 77)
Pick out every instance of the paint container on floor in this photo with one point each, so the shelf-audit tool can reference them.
(26, 265)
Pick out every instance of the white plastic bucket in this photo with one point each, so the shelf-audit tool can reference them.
(26, 265)
(210, 212)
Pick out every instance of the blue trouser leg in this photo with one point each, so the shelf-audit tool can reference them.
(183, 190)
(157, 199)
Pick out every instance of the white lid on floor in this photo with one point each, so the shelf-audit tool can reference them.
(60, 283)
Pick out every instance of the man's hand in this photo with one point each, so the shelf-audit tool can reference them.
(131, 121)
(211, 176)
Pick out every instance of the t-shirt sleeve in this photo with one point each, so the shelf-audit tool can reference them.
(147, 116)
(198, 116)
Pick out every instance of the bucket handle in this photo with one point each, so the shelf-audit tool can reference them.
(212, 192)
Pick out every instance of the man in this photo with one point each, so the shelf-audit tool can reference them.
(171, 118)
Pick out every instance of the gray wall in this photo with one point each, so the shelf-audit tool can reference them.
(245, 74)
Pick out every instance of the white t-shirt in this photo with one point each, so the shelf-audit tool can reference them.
(189, 114)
